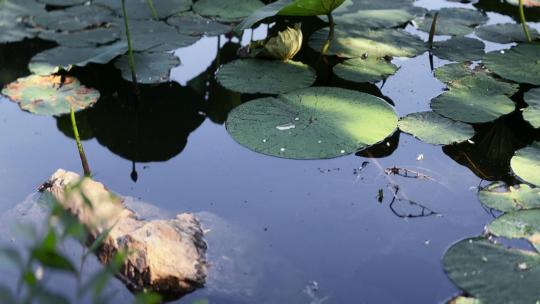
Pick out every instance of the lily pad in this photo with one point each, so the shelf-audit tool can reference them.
(453, 71)
(251, 76)
(62, 2)
(524, 224)
(312, 123)
(74, 18)
(532, 112)
(493, 273)
(452, 21)
(155, 36)
(227, 10)
(506, 198)
(376, 18)
(15, 33)
(350, 43)
(46, 95)
(520, 64)
(365, 69)
(433, 128)
(357, 5)
(310, 7)
(526, 164)
(475, 99)
(63, 58)
(151, 68)
(459, 49)
(139, 9)
(504, 33)
(195, 25)
(86, 38)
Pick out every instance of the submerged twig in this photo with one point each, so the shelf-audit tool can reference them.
(406, 173)
(524, 21)
(424, 211)
(82, 155)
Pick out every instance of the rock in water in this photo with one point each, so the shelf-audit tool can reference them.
(166, 256)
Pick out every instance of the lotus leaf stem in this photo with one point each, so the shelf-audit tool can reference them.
(330, 38)
(82, 155)
(131, 59)
(524, 21)
(152, 9)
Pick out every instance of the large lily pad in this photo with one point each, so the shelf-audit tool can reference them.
(475, 99)
(433, 128)
(493, 273)
(368, 69)
(226, 10)
(139, 9)
(47, 95)
(532, 112)
(155, 36)
(452, 21)
(524, 224)
(504, 33)
(195, 25)
(459, 49)
(151, 68)
(520, 64)
(74, 18)
(63, 58)
(526, 164)
(265, 76)
(350, 43)
(506, 198)
(312, 123)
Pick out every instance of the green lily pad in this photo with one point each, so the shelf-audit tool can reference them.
(459, 49)
(504, 33)
(15, 33)
(151, 68)
(433, 128)
(526, 164)
(74, 18)
(62, 2)
(357, 5)
(63, 58)
(452, 21)
(350, 43)
(226, 10)
(520, 63)
(139, 9)
(86, 38)
(453, 71)
(45, 95)
(376, 18)
(195, 25)
(312, 123)
(475, 99)
(155, 36)
(532, 112)
(260, 14)
(365, 69)
(524, 224)
(493, 273)
(506, 198)
(251, 76)
(310, 7)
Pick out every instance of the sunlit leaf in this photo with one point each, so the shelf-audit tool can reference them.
(526, 163)
(370, 69)
(520, 64)
(506, 198)
(435, 129)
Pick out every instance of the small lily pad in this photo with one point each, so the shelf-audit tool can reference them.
(46, 95)
(532, 112)
(139, 9)
(226, 10)
(151, 68)
(453, 71)
(504, 33)
(312, 123)
(493, 273)
(520, 63)
(63, 58)
(433, 128)
(459, 49)
(86, 38)
(365, 69)
(475, 99)
(452, 21)
(74, 18)
(524, 224)
(195, 25)
(526, 163)
(251, 76)
(506, 198)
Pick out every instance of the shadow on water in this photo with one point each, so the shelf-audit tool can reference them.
(501, 7)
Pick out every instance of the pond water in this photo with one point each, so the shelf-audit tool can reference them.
(298, 222)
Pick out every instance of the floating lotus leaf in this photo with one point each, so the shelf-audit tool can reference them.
(368, 69)
(62, 2)
(526, 164)
(63, 58)
(524, 224)
(46, 95)
(493, 273)
(453, 71)
(227, 10)
(15, 33)
(139, 9)
(520, 64)
(532, 112)
(351, 43)
(12, 27)
(459, 49)
(506, 198)
(74, 18)
(151, 68)
(433, 128)
(253, 76)
(155, 36)
(260, 14)
(357, 5)
(475, 99)
(195, 25)
(504, 33)
(310, 7)
(527, 3)
(312, 123)
(86, 38)
(376, 18)
(452, 21)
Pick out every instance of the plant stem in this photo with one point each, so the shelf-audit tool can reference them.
(131, 59)
(524, 21)
(433, 30)
(152, 9)
(330, 38)
(82, 155)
